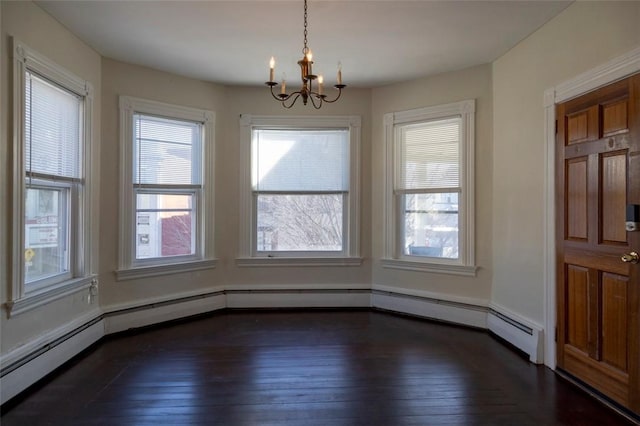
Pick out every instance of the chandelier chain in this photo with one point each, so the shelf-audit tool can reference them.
(305, 50)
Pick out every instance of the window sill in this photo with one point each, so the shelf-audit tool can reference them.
(173, 268)
(408, 265)
(297, 261)
(41, 297)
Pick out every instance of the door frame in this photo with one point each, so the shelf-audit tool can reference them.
(613, 70)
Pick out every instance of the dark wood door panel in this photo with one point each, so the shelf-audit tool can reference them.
(597, 175)
(576, 202)
(614, 117)
(615, 340)
(577, 330)
(582, 126)
(613, 197)
(608, 380)
(605, 261)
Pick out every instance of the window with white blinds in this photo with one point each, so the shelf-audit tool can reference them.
(301, 160)
(52, 151)
(165, 150)
(429, 192)
(299, 190)
(52, 128)
(166, 188)
(429, 155)
(166, 178)
(52, 213)
(301, 184)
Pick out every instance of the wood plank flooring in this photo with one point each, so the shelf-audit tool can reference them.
(305, 368)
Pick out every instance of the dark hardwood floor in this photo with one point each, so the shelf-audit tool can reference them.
(305, 368)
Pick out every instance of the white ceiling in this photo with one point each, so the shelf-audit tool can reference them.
(230, 42)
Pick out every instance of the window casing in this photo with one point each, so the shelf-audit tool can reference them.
(429, 191)
(52, 185)
(300, 190)
(166, 189)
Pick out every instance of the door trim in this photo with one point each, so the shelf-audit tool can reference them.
(613, 70)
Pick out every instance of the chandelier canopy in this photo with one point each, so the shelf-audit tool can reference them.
(307, 91)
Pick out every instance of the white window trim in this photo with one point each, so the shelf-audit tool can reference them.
(84, 264)
(465, 265)
(351, 255)
(127, 270)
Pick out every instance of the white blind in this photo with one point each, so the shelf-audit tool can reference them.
(52, 128)
(166, 151)
(429, 155)
(301, 160)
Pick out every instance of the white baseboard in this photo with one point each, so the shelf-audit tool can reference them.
(465, 311)
(26, 365)
(23, 366)
(299, 297)
(521, 332)
(154, 311)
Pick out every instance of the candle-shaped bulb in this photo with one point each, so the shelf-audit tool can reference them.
(320, 81)
(339, 72)
(283, 88)
(309, 55)
(272, 64)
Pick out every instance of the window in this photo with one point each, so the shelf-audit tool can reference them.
(300, 195)
(166, 185)
(300, 183)
(429, 189)
(52, 120)
(52, 148)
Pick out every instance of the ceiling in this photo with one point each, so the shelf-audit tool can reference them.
(231, 42)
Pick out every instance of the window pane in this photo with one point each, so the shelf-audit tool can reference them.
(429, 155)
(431, 225)
(46, 236)
(52, 128)
(300, 222)
(164, 225)
(164, 151)
(301, 160)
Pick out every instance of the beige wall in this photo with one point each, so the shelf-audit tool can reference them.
(36, 29)
(583, 36)
(472, 83)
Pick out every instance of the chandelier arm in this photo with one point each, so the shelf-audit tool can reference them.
(282, 97)
(314, 96)
(295, 98)
(339, 87)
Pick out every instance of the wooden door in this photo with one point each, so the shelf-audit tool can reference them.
(597, 175)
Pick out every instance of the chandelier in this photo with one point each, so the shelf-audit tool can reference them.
(307, 91)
